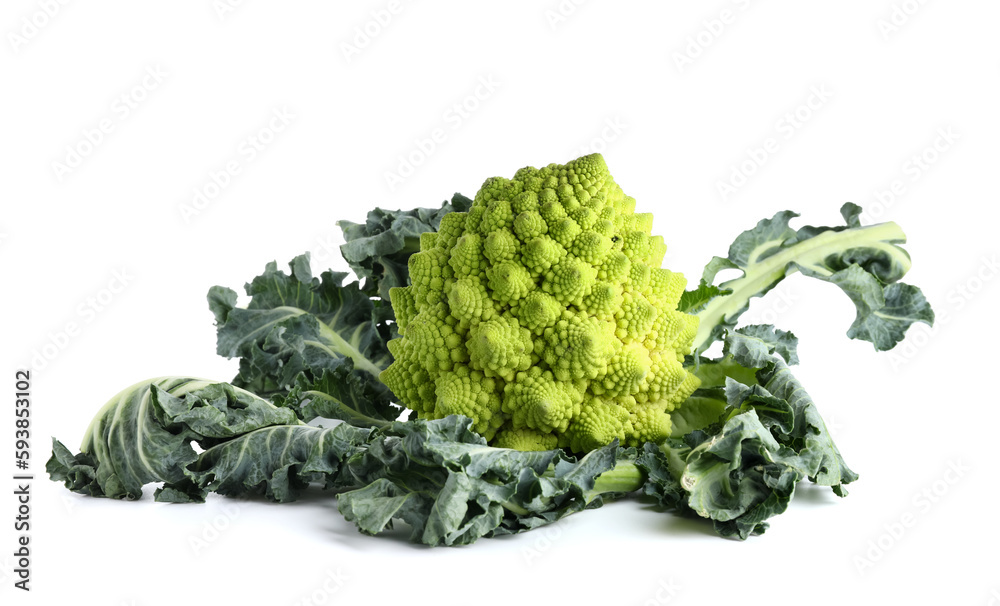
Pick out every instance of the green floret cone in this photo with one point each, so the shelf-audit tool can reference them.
(549, 276)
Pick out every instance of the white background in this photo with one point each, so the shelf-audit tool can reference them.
(689, 89)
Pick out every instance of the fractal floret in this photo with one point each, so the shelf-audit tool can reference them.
(543, 314)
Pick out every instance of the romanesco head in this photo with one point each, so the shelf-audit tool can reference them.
(543, 314)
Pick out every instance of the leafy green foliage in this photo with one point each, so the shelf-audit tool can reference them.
(144, 434)
(438, 476)
(278, 461)
(311, 335)
(693, 301)
(341, 394)
(378, 249)
(865, 262)
(752, 346)
(737, 477)
(700, 410)
(743, 469)
(442, 479)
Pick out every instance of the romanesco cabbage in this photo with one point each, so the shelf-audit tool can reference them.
(543, 314)
(537, 317)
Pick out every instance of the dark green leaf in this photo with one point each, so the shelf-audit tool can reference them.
(442, 479)
(340, 393)
(306, 333)
(378, 249)
(883, 314)
(738, 477)
(316, 317)
(692, 301)
(144, 434)
(278, 461)
(805, 432)
(698, 412)
(753, 346)
(743, 469)
(865, 262)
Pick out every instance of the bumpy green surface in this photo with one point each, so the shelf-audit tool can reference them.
(543, 314)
